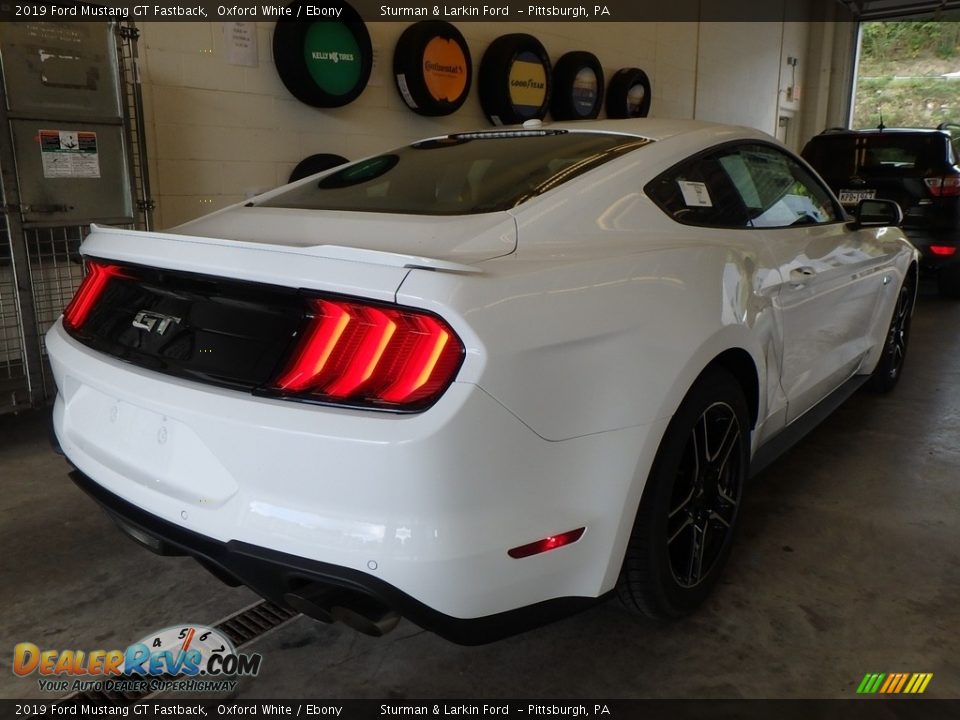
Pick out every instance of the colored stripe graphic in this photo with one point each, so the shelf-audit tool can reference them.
(894, 683)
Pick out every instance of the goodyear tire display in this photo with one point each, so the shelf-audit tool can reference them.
(312, 164)
(432, 68)
(629, 94)
(324, 63)
(515, 79)
(577, 87)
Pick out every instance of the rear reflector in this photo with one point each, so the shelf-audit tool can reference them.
(548, 543)
(359, 353)
(943, 250)
(90, 290)
(946, 186)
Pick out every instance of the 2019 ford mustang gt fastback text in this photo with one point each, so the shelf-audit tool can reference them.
(481, 380)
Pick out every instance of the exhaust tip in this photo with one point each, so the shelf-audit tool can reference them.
(374, 620)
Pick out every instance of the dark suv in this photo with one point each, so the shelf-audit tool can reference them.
(917, 168)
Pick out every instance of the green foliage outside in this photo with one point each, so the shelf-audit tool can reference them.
(902, 64)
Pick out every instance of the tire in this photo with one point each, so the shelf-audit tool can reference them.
(313, 164)
(577, 87)
(432, 68)
(323, 81)
(887, 373)
(515, 80)
(629, 94)
(700, 468)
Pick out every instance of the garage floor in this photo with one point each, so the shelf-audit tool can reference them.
(848, 563)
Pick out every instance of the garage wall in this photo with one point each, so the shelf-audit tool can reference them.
(218, 133)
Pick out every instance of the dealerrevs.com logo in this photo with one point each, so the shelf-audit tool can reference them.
(183, 657)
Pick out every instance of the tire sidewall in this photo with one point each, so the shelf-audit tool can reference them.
(493, 78)
(673, 599)
(408, 67)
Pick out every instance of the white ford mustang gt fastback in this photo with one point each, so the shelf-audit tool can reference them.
(482, 380)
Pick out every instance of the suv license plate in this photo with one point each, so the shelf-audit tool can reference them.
(852, 197)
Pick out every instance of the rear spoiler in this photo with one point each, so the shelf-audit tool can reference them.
(332, 252)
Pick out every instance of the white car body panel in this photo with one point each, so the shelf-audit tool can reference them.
(586, 314)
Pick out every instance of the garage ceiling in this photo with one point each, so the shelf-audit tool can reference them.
(889, 9)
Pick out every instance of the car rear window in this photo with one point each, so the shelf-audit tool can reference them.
(877, 154)
(460, 174)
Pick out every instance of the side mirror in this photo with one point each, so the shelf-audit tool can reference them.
(877, 213)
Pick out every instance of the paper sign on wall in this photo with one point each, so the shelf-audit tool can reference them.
(240, 41)
(695, 194)
(69, 154)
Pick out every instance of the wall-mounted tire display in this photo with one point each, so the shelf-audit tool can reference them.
(515, 79)
(312, 164)
(629, 94)
(432, 68)
(577, 87)
(324, 63)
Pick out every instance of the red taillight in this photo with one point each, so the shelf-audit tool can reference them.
(943, 250)
(548, 543)
(90, 290)
(376, 355)
(946, 186)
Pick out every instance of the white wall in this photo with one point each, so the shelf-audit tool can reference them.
(218, 132)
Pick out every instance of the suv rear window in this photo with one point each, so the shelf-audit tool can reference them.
(460, 174)
(877, 154)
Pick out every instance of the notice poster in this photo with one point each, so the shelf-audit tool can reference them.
(240, 42)
(69, 154)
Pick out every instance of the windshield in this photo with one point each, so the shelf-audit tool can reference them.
(460, 174)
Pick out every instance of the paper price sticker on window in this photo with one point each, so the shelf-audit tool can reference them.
(695, 194)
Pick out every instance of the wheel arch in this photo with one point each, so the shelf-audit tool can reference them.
(739, 363)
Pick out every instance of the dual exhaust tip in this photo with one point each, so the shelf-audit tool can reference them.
(356, 610)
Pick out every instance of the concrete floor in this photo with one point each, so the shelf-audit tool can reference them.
(849, 562)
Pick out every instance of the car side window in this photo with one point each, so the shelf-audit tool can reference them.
(699, 192)
(777, 190)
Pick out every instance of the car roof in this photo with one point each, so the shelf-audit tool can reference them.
(885, 131)
(705, 133)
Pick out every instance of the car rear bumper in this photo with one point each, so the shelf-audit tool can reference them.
(416, 510)
(273, 574)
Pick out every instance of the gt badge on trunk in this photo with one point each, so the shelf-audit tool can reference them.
(154, 322)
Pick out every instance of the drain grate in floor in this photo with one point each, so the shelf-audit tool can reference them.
(243, 627)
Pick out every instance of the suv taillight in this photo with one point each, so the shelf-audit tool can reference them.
(372, 355)
(94, 283)
(946, 186)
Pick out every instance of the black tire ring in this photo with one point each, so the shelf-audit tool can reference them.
(494, 78)
(564, 104)
(289, 37)
(618, 93)
(313, 164)
(409, 70)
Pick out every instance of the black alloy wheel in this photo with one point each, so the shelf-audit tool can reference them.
(690, 509)
(706, 495)
(890, 366)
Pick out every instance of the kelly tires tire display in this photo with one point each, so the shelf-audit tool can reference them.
(690, 507)
(432, 68)
(324, 63)
(629, 94)
(515, 80)
(577, 87)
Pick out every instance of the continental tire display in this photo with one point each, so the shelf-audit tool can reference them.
(324, 63)
(515, 80)
(432, 68)
(629, 94)
(312, 164)
(577, 87)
